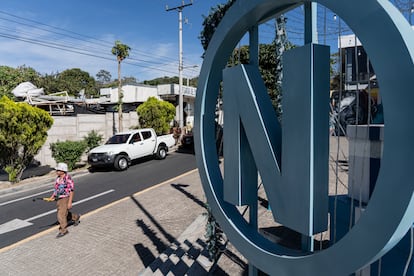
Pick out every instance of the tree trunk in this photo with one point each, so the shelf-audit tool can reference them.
(14, 171)
(19, 174)
(120, 96)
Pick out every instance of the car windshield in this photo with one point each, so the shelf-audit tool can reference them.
(118, 139)
(347, 101)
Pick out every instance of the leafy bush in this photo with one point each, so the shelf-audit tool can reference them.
(93, 139)
(69, 152)
(156, 114)
(23, 131)
(214, 236)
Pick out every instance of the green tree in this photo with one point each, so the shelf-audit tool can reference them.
(270, 55)
(168, 80)
(23, 131)
(129, 80)
(29, 74)
(156, 114)
(121, 51)
(74, 80)
(49, 82)
(162, 80)
(11, 77)
(211, 22)
(103, 76)
(336, 83)
(270, 67)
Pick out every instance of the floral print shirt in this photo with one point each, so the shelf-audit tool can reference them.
(63, 186)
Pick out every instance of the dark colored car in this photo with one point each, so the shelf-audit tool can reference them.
(187, 141)
(353, 110)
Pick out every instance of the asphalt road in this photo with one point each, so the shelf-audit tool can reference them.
(21, 217)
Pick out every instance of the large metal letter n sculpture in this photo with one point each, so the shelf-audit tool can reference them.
(293, 163)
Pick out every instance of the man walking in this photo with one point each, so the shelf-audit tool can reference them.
(63, 194)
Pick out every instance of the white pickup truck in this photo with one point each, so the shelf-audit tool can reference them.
(124, 147)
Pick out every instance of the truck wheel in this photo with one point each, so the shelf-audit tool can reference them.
(121, 163)
(161, 152)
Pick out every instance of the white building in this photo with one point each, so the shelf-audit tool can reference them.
(134, 95)
(356, 66)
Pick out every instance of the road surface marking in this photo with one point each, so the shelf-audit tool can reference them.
(13, 224)
(40, 234)
(23, 198)
(19, 223)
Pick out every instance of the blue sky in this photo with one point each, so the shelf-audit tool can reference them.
(53, 35)
(92, 26)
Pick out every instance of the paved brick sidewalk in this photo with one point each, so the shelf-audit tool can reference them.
(119, 239)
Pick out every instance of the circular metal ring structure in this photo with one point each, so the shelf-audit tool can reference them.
(388, 39)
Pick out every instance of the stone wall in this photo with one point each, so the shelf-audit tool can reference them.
(74, 128)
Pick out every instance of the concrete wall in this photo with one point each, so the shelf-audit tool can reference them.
(74, 128)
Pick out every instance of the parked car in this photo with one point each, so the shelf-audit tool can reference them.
(187, 141)
(124, 147)
(352, 111)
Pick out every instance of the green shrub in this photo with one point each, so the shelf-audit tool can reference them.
(69, 152)
(214, 236)
(23, 131)
(156, 114)
(93, 139)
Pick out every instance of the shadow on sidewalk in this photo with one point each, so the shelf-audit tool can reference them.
(176, 256)
(236, 259)
(180, 187)
(154, 221)
(143, 252)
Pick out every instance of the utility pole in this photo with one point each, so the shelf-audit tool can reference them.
(180, 60)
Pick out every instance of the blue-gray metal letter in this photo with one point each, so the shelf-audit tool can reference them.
(252, 136)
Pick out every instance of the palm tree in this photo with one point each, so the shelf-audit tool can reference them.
(121, 51)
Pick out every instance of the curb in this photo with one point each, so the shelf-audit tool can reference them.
(46, 179)
(34, 182)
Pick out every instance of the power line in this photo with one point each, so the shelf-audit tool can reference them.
(79, 51)
(92, 41)
(53, 27)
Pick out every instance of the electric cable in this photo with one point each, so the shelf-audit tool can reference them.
(74, 48)
(59, 47)
(50, 28)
